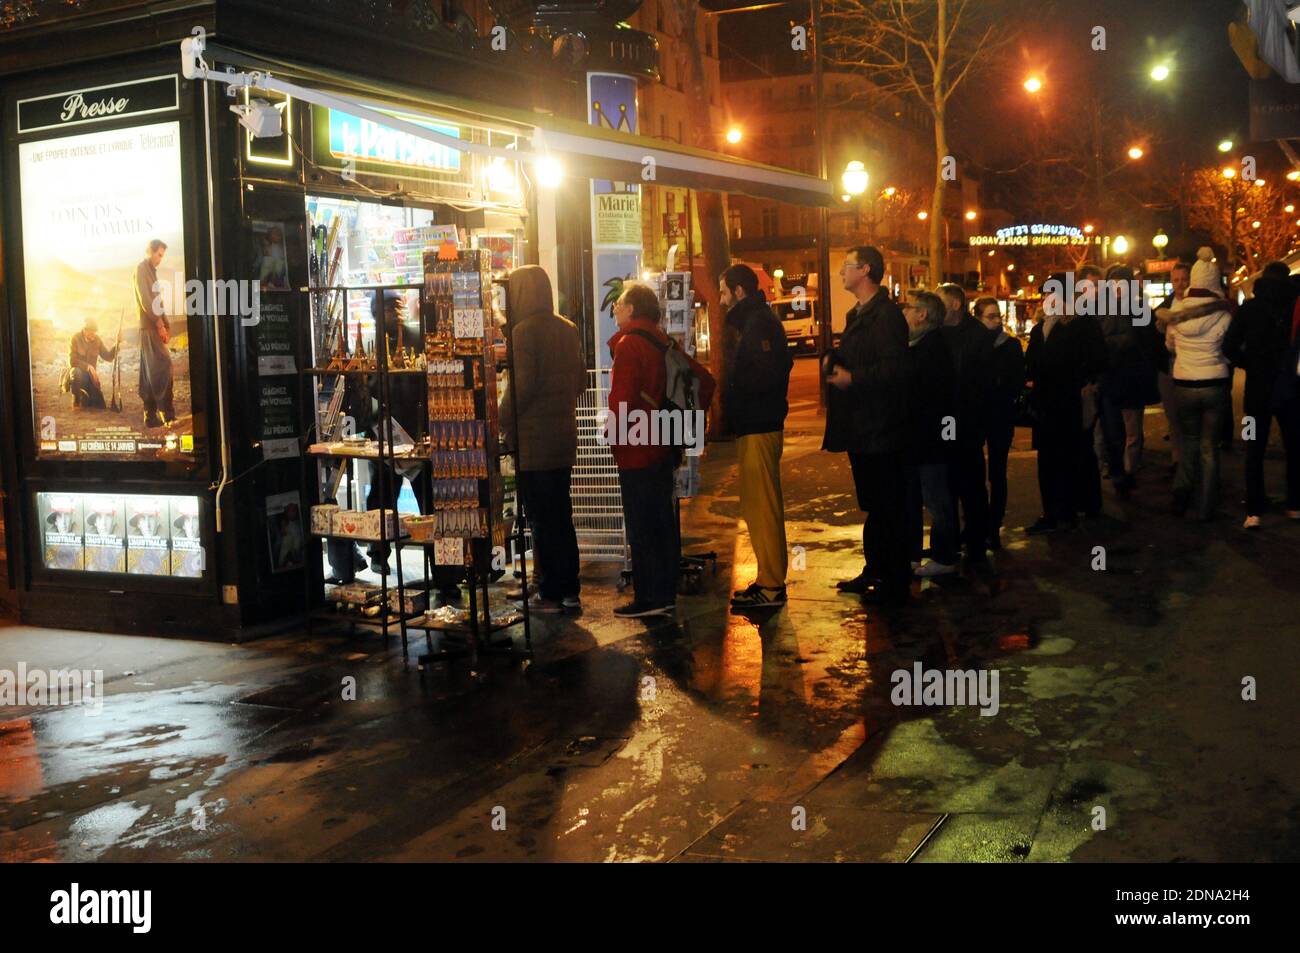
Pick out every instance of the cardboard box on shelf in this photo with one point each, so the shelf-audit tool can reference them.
(322, 518)
(365, 524)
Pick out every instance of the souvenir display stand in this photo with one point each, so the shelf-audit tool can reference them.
(450, 455)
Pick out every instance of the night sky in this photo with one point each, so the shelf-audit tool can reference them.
(1204, 100)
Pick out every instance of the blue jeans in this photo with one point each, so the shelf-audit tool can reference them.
(928, 484)
(1201, 413)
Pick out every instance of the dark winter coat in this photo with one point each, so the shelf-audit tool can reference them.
(870, 416)
(549, 376)
(1258, 338)
(1059, 366)
(1008, 382)
(932, 390)
(971, 346)
(758, 370)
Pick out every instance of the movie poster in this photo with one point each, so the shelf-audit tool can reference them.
(284, 531)
(187, 544)
(105, 524)
(61, 515)
(102, 216)
(147, 535)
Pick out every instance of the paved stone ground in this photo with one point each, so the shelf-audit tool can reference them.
(715, 737)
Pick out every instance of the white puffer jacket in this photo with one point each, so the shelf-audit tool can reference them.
(1197, 345)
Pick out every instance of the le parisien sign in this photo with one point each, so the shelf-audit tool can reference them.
(140, 97)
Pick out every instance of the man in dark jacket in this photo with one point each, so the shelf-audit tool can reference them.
(1258, 341)
(932, 391)
(971, 346)
(758, 376)
(1008, 382)
(866, 416)
(1128, 384)
(548, 376)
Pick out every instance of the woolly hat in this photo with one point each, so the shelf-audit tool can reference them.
(1205, 273)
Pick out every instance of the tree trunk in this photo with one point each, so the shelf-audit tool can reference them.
(713, 226)
(938, 253)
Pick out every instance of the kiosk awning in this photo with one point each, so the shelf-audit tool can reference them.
(585, 150)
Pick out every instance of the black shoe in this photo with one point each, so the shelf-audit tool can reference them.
(756, 597)
(1041, 527)
(637, 610)
(858, 584)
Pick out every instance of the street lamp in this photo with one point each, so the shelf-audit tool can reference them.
(855, 178)
(1135, 152)
(1160, 241)
(548, 172)
(734, 135)
(1229, 172)
(1120, 245)
(890, 192)
(1088, 229)
(1033, 84)
(922, 215)
(1225, 145)
(1160, 72)
(970, 215)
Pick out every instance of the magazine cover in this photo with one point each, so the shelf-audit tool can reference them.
(187, 541)
(147, 535)
(61, 526)
(284, 530)
(105, 532)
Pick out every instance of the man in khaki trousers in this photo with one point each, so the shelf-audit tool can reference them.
(758, 375)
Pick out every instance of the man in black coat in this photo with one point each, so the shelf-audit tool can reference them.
(866, 416)
(754, 400)
(971, 346)
(1258, 341)
(931, 395)
(1008, 382)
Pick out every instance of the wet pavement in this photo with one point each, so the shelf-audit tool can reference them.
(1121, 732)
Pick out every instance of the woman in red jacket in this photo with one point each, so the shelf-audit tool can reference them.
(638, 381)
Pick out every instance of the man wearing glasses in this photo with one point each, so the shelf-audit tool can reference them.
(865, 417)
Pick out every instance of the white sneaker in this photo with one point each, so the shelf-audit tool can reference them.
(933, 568)
(1252, 522)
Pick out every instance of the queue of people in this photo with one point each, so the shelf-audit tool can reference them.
(924, 399)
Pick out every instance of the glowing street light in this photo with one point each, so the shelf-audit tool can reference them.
(1255, 224)
(1289, 209)
(1033, 84)
(970, 215)
(734, 135)
(1229, 172)
(1135, 152)
(548, 172)
(1011, 267)
(1259, 182)
(1293, 175)
(890, 192)
(1160, 241)
(855, 178)
(923, 215)
(1225, 145)
(1120, 245)
(1160, 72)
(1088, 229)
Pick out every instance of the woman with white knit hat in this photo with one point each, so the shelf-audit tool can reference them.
(1203, 381)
